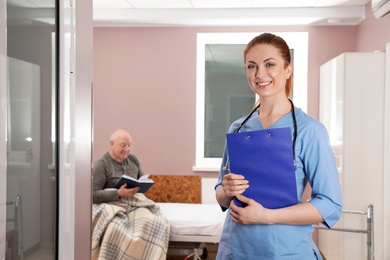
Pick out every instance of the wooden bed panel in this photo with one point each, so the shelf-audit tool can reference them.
(175, 188)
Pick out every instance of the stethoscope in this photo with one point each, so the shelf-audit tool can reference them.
(226, 167)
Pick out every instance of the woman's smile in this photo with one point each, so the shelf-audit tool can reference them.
(263, 84)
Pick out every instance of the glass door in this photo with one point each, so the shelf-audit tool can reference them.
(31, 176)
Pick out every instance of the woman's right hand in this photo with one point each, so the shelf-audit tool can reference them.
(234, 184)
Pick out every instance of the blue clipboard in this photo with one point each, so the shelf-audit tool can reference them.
(265, 159)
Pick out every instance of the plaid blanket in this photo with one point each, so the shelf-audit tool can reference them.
(132, 228)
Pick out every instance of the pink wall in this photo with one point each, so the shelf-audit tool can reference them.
(373, 34)
(144, 81)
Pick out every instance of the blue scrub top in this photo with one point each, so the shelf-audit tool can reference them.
(316, 165)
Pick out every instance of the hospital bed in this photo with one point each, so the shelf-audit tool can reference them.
(193, 223)
(369, 230)
(189, 204)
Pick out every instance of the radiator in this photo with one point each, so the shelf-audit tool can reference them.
(208, 192)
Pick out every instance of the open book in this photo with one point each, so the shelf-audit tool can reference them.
(143, 182)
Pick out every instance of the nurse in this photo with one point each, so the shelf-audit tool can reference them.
(256, 232)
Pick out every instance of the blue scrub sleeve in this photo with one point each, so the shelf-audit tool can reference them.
(322, 174)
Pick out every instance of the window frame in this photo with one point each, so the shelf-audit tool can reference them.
(298, 41)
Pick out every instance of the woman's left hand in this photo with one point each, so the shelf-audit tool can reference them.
(253, 213)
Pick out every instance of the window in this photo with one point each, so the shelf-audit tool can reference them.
(222, 91)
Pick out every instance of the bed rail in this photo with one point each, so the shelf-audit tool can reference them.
(369, 230)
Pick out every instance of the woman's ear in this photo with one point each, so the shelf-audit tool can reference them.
(289, 69)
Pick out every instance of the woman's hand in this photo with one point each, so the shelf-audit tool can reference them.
(234, 184)
(253, 213)
(125, 192)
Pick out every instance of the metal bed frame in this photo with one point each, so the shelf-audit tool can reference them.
(369, 230)
(199, 250)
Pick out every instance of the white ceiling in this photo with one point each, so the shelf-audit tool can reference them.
(227, 12)
(140, 13)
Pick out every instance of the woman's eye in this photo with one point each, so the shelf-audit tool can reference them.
(251, 66)
(269, 64)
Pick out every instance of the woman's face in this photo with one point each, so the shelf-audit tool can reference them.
(266, 71)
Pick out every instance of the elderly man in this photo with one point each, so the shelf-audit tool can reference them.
(113, 164)
(125, 224)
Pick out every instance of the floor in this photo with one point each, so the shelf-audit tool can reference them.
(180, 252)
(47, 254)
(41, 254)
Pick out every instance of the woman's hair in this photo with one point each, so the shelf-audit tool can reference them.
(281, 45)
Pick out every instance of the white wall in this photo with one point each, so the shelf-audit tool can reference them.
(386, 183)
(75, 142)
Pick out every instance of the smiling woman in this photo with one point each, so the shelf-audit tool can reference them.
(221, 96)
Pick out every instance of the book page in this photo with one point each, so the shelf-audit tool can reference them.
(145, 178)
(128, 177)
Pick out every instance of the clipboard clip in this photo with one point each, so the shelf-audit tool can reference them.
(226, 166)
